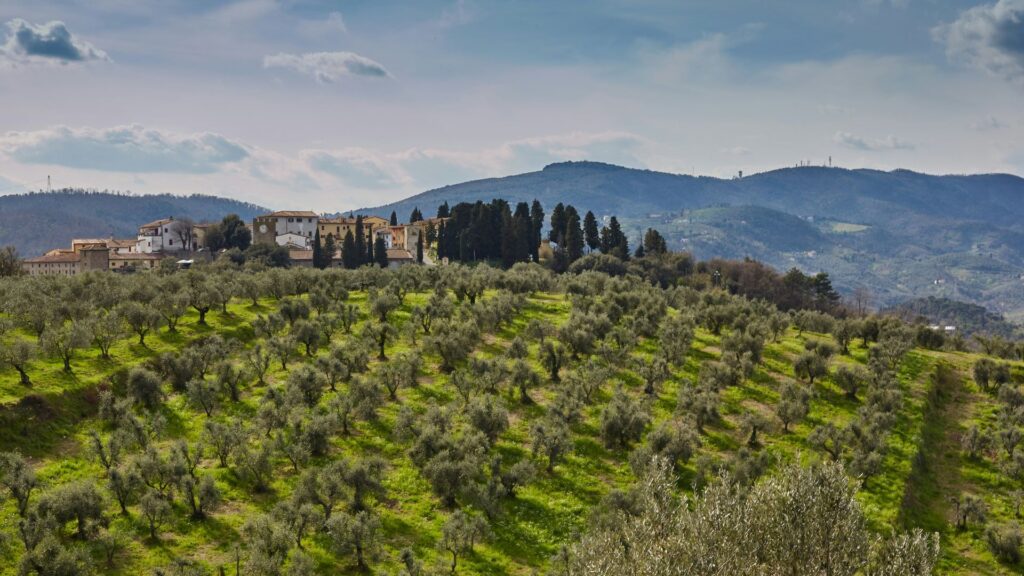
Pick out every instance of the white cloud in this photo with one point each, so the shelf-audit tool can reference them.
(50, 43)
(328, 67)
(130, 148)
(988, 123)
(989, 37)
(871, 144)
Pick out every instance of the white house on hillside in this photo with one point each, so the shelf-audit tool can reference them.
(157, 236)
(293, 228)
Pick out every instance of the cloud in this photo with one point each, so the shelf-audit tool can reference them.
(123, 149)
(357, 167)
(52, 43)
(989, 37)
(328, 67)
(988, 123)
(424, 168)
(871, 144)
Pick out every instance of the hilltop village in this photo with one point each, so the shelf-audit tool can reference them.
(306, 238)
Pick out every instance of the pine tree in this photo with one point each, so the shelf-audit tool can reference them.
(416, 215)
(349, 252)
(317, 251)
(380, 251)
(359, 254)
(557, 224)
(590, 233)
(443, 211)
(394, 218)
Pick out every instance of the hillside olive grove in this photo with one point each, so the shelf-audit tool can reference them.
(655, 416)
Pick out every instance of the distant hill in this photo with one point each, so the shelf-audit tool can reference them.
(37, 222)
(901, 234)
(968, 318)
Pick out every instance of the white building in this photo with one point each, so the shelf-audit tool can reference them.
(158, 236)
(285, 228)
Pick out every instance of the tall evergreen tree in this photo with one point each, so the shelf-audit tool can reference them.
(317, 251)
(369, 258)
(419, 248)
(349, 253)
(537, 220)
(613, 241)
(573, 235)
(557, 224)
(394, 218)
(360, 242)
(442, 249)
(330, 247)
(591, 235)
(654, 242)
(416, 215)
(380, 252)
(443, 211)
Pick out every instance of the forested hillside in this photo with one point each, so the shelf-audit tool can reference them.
(465, 420)
(900, 234)
(37, 222)
(968, 319)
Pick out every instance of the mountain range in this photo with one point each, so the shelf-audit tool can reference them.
(900, 234)
(37, 222)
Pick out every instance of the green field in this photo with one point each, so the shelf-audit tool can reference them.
(52, 422)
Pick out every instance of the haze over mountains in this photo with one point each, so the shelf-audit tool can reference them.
(900, 234)
(35, 223)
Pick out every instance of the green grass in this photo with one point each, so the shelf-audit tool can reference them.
(51, 420)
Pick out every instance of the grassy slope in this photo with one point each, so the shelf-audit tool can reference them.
(545, 514)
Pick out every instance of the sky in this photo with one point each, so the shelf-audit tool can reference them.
(332, 105)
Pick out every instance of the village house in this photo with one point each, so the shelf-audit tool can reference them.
(340, 227)
(157, 236)
(292, 228)
(92, 254)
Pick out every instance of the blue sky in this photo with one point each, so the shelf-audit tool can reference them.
(332, 105)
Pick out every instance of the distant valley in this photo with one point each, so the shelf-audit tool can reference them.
(900, 234)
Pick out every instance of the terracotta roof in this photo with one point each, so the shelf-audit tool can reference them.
(399, 254)
(136, 256)
(292, 214)
(157, 223)
(61, 258)
(126, 243)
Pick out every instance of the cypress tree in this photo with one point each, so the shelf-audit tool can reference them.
(348, 251)
(442, 252)
(360, 243)
(317, 251)
(537, 221)
(557, 224)
(416, 215)
(380, 252)
(369, 251)
(394, 218)
(590, 232)
(330, 247)
(443, 211)
(419, 248)
(573, 236)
